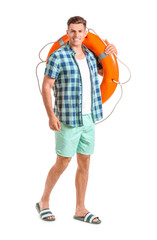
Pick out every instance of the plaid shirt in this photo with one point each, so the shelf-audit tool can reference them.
(63, 67)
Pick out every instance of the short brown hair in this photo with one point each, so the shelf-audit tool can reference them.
(76, 20)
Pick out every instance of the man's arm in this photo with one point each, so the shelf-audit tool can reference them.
(47, 85)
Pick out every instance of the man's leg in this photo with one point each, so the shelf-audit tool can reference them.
(53, 176)
(81, 181)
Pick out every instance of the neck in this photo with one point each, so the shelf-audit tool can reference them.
(77, 49)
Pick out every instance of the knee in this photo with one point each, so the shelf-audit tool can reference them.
(83, 164)
(84, 168)
(62, 163)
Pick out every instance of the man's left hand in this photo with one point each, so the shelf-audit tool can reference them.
(110, 49)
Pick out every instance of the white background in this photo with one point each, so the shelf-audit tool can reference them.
(122, 181)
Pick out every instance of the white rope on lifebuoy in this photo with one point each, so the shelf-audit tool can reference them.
(42, 61)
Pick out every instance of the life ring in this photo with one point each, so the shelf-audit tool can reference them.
(109, 62)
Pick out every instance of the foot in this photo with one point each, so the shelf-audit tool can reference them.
(44, 205)
(81, 212)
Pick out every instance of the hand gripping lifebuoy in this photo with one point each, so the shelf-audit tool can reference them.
(109, 62)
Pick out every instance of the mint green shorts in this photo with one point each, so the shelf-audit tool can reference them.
(76, 139)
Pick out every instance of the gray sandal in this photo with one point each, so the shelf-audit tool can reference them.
(89, 217)
(44, 213)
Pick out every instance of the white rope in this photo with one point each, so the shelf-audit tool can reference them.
(42, 61)
(119, 83)
(115, 104)
(43, 49)
(37, 76)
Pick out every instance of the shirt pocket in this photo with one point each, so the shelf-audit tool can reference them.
(68, 75)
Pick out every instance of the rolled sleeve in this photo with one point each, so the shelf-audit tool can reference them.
(52, 67)
(99, 66)
(98, 63)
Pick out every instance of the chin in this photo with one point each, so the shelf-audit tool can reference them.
(75, 43)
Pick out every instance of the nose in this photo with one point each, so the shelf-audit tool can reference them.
(76, 34)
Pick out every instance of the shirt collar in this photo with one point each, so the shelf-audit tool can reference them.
(85, 49)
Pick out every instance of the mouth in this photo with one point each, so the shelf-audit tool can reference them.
(76, 39)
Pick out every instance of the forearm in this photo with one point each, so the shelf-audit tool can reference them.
(47, 99)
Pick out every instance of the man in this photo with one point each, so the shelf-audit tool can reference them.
(72, 73)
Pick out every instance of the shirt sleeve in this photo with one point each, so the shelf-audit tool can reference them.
(99, 66)
(52, 67)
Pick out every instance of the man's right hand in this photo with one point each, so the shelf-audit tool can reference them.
(54, 123)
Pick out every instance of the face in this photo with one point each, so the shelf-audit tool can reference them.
(76, 34)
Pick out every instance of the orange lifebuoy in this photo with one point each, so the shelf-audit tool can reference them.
(109, 62)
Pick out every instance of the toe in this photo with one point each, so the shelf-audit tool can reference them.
(95, 220)
(52, 217)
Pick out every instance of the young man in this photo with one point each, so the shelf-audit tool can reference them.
(72, 72)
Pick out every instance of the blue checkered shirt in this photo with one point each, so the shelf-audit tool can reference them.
(63, 67)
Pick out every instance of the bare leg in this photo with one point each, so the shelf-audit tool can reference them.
(53, 176)
(81, 181)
